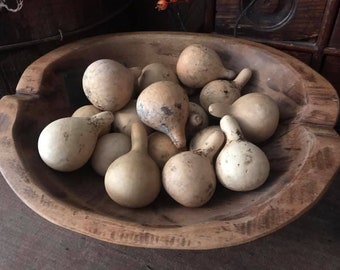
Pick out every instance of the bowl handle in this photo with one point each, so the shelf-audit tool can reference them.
(45, 75)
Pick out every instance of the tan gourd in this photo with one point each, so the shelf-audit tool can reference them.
(197, 120)
(198, 64)
(125, 117)
(164, 106)
(134, 180)
(189, 178)
(256, 113)
(108, 85)
(223, 90)
(66, 144)
(88, 111)
(241, 165)
(108, 148)
(161, 148)
(208, 142)
(155, 72)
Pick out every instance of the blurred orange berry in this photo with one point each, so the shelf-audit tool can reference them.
(162, 5)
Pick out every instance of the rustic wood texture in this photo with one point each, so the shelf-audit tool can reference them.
(30, 242)
(335, 38)
(303, 153)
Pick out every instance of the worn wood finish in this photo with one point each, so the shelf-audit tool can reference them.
(303, 20)
(303, 153)
(30, 242)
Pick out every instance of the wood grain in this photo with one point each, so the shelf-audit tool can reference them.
(31, 242)
(303, 152)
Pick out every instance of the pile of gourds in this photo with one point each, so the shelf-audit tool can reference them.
(152, 127)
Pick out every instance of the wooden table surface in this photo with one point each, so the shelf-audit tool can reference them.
(27, 241)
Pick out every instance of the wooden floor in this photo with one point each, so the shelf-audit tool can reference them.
(27, 241)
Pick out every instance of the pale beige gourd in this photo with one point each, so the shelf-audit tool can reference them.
(208, 142)
(198, 64)
(256, 113)
(161, 148)
(66, 144)
(156, 72)
(197, 120)
(134, 179)
(109, 147)
(108, 84)
(125, 117)
(241, 165)
(223, 90)
(189, 179)
(164, 106)
(88, 111)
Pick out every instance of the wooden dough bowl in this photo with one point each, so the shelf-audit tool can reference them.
(304, 152)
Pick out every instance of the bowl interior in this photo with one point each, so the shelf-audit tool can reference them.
(84, 189)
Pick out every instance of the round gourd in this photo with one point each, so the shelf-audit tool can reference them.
(257, 114)
(161, 148)
(108, 85)
(156, 72)
(189, 179)
(108, 148)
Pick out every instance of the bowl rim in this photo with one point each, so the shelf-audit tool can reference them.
(207, 235)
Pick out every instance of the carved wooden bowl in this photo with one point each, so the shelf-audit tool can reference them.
(304, 152)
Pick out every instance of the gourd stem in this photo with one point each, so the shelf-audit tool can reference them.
(228, 74)
(102, 120)
(213, 143)
(242, 78)
(231, 128)
(219, 109)
(195, 120)
(139, 137)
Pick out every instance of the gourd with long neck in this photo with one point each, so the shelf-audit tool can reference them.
(208, 142)
(134, 180)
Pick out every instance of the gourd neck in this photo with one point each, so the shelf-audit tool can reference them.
(101, 120)
(227, 73)
(231, 128)
(242, 78)
(139, 138)
(220, 109)
(195, 120)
